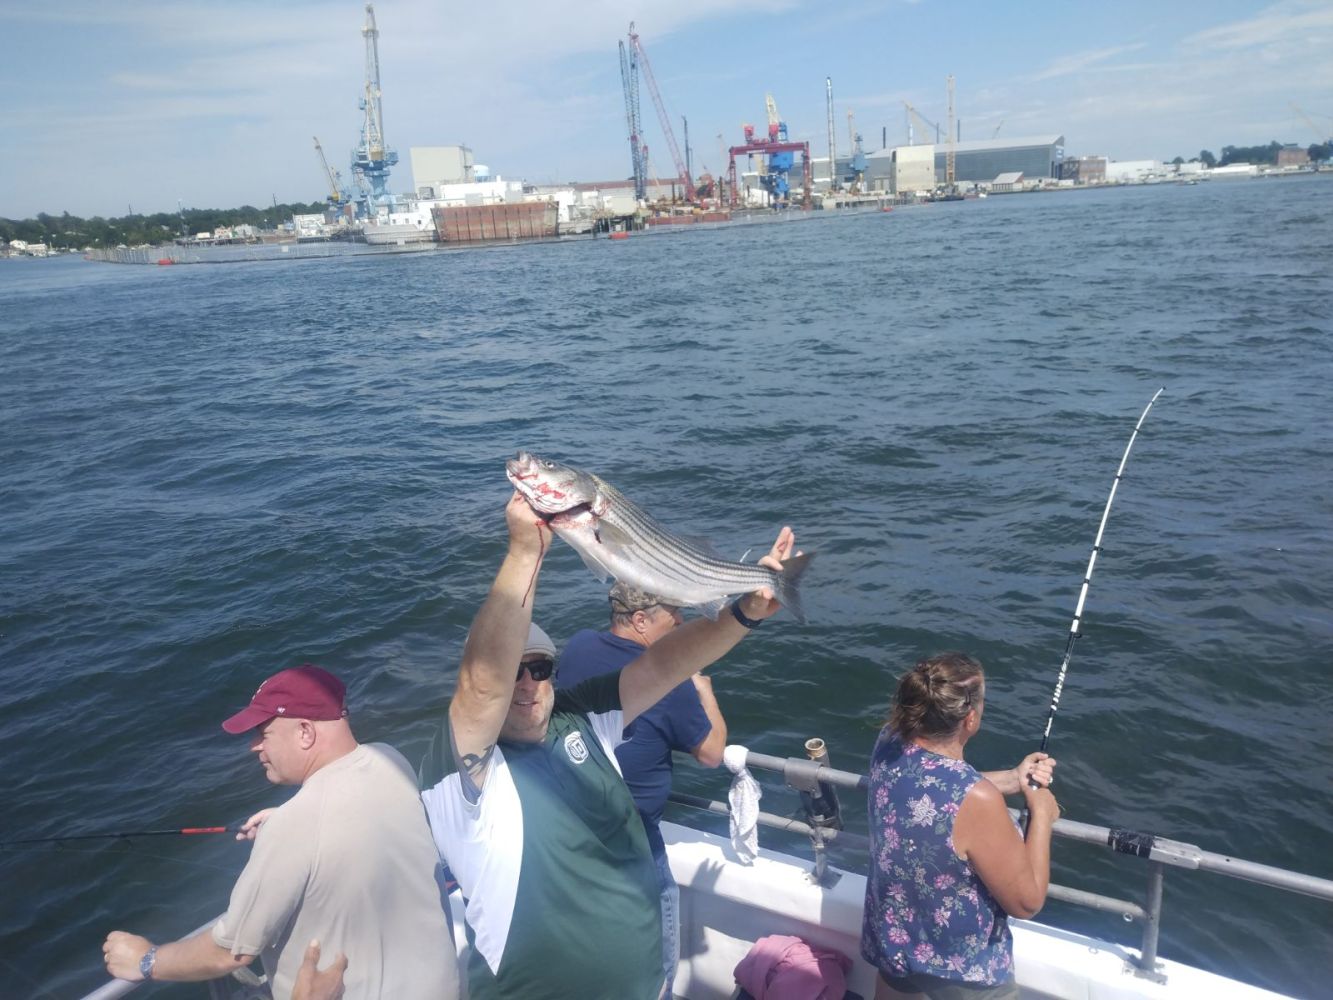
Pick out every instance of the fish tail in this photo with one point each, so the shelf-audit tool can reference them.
(785, 587)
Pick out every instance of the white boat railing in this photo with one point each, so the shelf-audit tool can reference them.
(815, 782)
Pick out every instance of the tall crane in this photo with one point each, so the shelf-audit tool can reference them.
(951, 152)
(371, 160)
(832, 139)
(856, 166)
(774, 119)
(638, 152)
(663, 118)
(336, 195)
(1324, 134)
(915, 116)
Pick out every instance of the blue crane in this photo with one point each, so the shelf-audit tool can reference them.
(638, 152)
(371, 160)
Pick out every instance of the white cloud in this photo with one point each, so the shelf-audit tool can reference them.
(1078, 62)
(1282, 23)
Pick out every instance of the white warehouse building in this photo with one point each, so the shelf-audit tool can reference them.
(436, 167)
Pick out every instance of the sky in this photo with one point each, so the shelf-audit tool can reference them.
(140, 105)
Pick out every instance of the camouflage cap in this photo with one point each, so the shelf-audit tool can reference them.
(626, 599)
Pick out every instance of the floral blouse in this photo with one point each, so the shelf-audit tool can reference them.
(926, 910)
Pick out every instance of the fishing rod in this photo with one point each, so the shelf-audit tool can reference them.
(1074, 633)
(188, 831)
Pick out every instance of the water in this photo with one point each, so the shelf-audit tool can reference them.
(210, 473)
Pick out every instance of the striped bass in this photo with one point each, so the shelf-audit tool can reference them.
(618, 539)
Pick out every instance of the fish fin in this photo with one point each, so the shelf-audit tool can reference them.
(785, 587)
(609, 534)
(598, 570)
(600, 504)
(712, 609)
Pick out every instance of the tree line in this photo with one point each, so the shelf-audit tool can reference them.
(1266, 155)
(70, 232)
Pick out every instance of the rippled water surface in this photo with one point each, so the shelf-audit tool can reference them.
(212, 472)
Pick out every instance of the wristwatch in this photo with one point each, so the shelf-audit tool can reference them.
(148, 961)
(741, 617)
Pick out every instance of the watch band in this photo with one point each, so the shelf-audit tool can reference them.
(148, 961)
(739, 615)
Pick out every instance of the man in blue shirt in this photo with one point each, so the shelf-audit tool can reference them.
(687, 719)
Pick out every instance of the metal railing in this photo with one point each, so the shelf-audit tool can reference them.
(806, 776)
(238, 986)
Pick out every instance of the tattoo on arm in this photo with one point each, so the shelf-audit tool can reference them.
(475, 764)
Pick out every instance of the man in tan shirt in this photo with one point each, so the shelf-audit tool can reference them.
(348, 861)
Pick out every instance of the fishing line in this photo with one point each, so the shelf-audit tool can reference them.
(1074, 633)
(188, 831)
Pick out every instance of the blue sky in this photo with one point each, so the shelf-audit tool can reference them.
(109, 105)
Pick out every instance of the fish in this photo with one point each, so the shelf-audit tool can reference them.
(616, 538)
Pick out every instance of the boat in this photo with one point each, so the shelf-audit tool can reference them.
(727, 904)
(396, 234)
(506, 222)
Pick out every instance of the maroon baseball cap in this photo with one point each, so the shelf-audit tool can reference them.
(304, 692)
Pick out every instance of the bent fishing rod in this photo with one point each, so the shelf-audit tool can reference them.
(188, 831)
(1074, 633)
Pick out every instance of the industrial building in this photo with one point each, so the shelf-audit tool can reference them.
(922, 167)
(1292, 156)
(437, 167)
(1084, 170)
(1133, 171)
(911, 168)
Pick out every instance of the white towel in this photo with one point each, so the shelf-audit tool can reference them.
(744, 800)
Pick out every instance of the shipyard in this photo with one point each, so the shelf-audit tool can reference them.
(450, 200)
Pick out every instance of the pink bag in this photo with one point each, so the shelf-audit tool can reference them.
(780, 967)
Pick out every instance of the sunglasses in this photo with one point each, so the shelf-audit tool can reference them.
(539, 669)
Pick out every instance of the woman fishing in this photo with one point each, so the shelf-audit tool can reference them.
(947, 863)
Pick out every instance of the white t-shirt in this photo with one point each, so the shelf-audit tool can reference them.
(348, 860)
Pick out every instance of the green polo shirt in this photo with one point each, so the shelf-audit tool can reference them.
(558, 881)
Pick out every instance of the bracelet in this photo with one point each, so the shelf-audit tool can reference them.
(739, 615)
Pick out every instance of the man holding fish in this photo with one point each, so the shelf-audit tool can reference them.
(525, 800)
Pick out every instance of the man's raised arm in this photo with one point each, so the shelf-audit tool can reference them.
(686, 650)
(495, 644)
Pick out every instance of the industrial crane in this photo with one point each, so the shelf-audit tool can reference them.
(371, 160)
(1323, 134)
(336, 195)
(832, 136)
(915, 116)
(638, 152)
(950, 155)
(780, 161)
(856, 167)
(665, 119)
(774, 121)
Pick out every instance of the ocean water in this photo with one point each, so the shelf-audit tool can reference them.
(209, 473)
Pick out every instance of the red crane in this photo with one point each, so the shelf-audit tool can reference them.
(662, 115)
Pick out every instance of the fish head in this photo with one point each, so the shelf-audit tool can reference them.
(551, 487)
